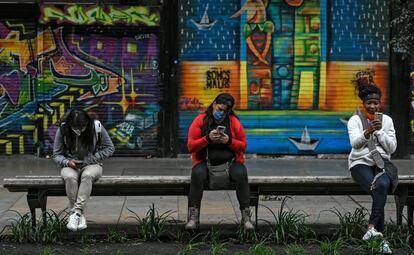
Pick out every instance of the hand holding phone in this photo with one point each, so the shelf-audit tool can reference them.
(377, 123)
(378, 116)
(221, 129)
(79, 164)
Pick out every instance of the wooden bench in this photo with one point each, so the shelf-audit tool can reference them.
(38, 188)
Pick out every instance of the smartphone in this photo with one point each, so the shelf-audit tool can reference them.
(221, 129)
(378, 116)
(79, 164)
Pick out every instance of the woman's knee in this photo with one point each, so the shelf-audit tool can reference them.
(199, 172)
(383, 184)
(238, 172)
(69, 174)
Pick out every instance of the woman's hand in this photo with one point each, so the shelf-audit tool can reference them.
(376, 124)
(214, 135)
(373, 126)
(72, 164)
(224, 138)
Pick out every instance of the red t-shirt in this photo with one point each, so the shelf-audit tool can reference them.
(197, 142)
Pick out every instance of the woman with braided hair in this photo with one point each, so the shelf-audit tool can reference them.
(361, 160)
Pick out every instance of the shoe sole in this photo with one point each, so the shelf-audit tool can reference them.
(79, 229)
(71, 229)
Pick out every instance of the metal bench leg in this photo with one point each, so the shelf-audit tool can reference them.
(256, 209)
(33, 202)
(400, 201)
(410, 211)
(43, 203)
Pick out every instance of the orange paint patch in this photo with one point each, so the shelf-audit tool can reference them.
(201, 82)
(340, 92)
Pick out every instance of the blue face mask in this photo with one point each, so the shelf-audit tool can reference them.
(218, 115)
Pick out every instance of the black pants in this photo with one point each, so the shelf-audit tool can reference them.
(364, 175)
(238, 174)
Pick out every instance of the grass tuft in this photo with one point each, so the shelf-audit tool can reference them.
(289, 225)
(352, 226)
(51, 231)
(153, 225)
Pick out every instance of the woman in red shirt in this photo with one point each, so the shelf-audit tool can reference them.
(221, 147)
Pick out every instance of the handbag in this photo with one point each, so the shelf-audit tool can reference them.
(218, 176)
(385, 165)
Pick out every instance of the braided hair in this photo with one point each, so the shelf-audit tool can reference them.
(365, 86)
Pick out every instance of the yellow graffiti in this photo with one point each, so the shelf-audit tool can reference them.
(131, 98)
(12, 45)
(87, 15)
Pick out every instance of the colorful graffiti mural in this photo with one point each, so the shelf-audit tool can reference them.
(77, 14)
(43, 75)
(291, 81)
(412, 109)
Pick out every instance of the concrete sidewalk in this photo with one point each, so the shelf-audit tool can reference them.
(218, 207)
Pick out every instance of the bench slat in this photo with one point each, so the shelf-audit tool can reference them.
(56, 181)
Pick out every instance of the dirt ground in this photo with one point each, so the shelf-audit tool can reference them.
(152, 248)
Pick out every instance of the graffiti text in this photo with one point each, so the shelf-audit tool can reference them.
(218, 79)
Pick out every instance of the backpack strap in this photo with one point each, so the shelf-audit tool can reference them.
(98, 131)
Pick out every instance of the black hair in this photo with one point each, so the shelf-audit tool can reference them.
(78, 119)
(364, 88)
(223, 98)
(365, 91)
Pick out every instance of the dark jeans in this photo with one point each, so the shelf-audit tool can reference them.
(364, 175)
(238, 174)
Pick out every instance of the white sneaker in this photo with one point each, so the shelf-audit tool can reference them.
(82, 223)
(370, 233)
(386, 247)
(73, 222)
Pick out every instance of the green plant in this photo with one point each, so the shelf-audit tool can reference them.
(373, 245)
(212, 236)
(400, 236)
(153, 225)
(46, 251)
(118, 252)
(182, 236)
(116, 236)
(331, 247)
(218, 248)
(191, 246)
(86, 238)
(352, 226)
(84, 251)
(246, 236)
(295, 249)
(289, 225)
(51, 231)
(261, 249)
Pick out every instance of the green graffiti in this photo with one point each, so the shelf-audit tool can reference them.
(94, 14)
(98, 82)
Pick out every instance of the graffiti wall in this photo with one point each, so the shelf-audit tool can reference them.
(412, 109)
(47, 67)
(288, 63)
